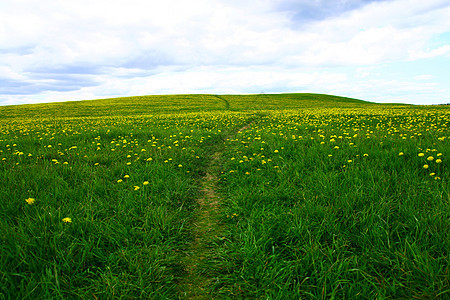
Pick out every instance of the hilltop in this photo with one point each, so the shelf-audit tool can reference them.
(178, 103)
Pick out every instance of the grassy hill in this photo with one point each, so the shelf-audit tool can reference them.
(176, 103)
(286, 196)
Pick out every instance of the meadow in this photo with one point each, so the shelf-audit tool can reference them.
(318, 197)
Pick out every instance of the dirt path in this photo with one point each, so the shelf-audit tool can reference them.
(206, 227)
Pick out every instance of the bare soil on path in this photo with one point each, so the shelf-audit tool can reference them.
(206, 227)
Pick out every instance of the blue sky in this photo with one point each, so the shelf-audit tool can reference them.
(378, 50)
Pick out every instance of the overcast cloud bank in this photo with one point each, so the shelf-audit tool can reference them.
(385, 51)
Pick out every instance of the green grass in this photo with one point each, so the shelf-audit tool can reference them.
(317, 201)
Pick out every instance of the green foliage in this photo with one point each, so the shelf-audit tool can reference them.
(322, 197)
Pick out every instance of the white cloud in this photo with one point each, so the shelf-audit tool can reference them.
(97, 48)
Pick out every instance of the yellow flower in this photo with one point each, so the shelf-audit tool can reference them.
(438, 161)
(425, 166)
(136, 188)
(430, 158)
(145, 183)
(420, 154)
(276, 151)
(400, 154)
(180, 166)
(30, 200)
(365, 154)
(119, 181)
(67, 220)
(126, 176)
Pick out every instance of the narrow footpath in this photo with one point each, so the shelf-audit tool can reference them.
(206, 227)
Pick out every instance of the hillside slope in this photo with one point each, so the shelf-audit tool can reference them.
(176, 103)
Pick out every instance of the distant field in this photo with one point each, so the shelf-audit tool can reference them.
(282, 196)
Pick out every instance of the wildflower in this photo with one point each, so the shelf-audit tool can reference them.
(430, 158)
(276, 151)
(119, 181)
(145, 183)
(136, 188)
(420, 154)
(401, 153)
(432, 174)
(67, 220)
(438, 161)
(365, 154)
(30, 200)
(425, 166)
(128, 163)
(180, 166)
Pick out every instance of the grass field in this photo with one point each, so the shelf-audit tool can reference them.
(290, 196)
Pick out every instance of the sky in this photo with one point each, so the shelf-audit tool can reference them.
(375, 50)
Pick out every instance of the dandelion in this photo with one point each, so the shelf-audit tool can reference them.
(438, 161)
(432, 174)
(126, 176)
(128, 163)
(145, 183)
(67, 220)
(430, 158)
(119, 181)
(401, 154)
(180, 166)
(276, 151)
(365, 155)
(425, 166)
(136, 188)
(420, 154)
(30, 200)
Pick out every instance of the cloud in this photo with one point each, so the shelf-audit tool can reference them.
(98, 48)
